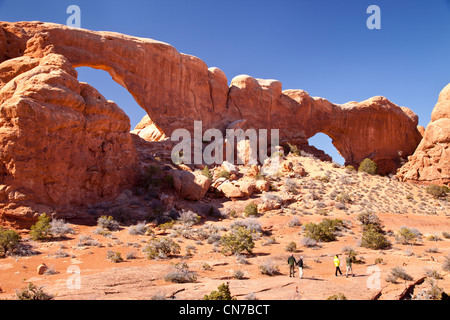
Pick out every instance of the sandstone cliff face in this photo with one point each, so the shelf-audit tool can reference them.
(430, 163)
(63, 144)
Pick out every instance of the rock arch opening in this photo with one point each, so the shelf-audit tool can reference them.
(323, 142)
(111, 90)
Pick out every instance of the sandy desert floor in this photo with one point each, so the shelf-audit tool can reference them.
(396, 204)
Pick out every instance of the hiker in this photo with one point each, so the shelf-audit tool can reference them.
(348, 264)
(292, 263)
(300, 267)
(337, 263)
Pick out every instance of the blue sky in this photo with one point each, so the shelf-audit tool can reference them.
(321, 46)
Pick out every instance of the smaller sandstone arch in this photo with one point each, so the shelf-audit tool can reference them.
(322, 141)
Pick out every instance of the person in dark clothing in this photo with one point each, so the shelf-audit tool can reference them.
(300, 267)
(292, 262)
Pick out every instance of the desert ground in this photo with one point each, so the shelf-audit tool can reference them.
(79, 268)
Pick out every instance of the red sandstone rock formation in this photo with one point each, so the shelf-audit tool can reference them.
(430, 163)
(63, 144)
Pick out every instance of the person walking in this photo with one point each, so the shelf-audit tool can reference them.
(292, 263)
(348, 264)
(300, 267)
(337, 263)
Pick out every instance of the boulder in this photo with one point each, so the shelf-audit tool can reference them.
(148, 130)
(230, 190)
(262, 185)
(64, 144)
(247, 187)
(190, 185)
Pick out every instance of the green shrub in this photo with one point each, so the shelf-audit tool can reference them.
(41, 229)
(344, 197)
(151, 177)
(437, 191)
(207, 173)
(224, 174)
(238, 240)
(370, 220)
(323, 231)
(9, 240)
(161, 248)
(338, 296)
(350, 168)
(223, 293)
(373, 239)
(368, 166)
(251, 210)
(407, 236)
(291, 148)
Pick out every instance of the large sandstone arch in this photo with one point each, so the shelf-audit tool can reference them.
(48, 118)
(176, 89)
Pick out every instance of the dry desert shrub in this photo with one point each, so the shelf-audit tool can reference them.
(59, 228)
(108, 223)
(180, 273)
(398, 273)
(446, 264)
(139, 229)
(161, 248)
(269, 268)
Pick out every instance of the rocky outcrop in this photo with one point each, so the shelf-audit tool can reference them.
(148, 130)
(430, 163)
(190, 185)
(375, 128)
(64, 145)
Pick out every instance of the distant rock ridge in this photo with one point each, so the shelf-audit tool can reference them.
(63, 144)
